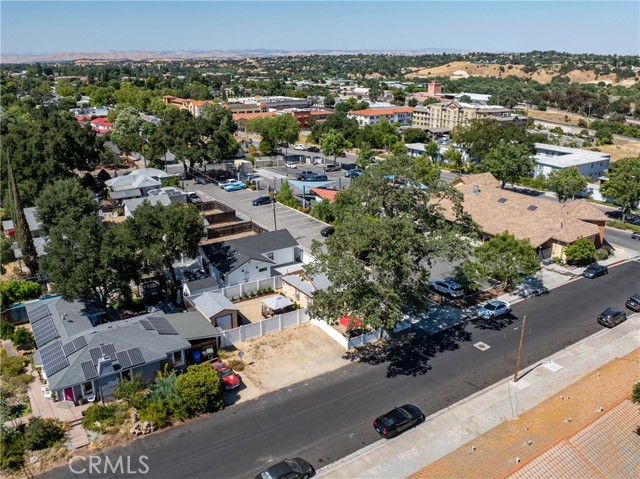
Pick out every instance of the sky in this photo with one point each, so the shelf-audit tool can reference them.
(29, 27)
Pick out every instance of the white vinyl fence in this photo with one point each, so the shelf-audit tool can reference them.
(350, 343)
(264, 327)
(239, 290)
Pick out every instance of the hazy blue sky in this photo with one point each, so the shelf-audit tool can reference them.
(94, 26)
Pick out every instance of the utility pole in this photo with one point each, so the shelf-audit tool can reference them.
(273, 202)
(515, 376)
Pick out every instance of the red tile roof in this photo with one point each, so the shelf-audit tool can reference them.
(328, 194)
(382, 111)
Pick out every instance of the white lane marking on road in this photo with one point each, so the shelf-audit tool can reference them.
(482, 346)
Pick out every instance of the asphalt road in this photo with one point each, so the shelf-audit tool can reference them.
(622, 238)
(330, 416)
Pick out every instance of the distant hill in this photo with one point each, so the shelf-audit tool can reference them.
(455, 70)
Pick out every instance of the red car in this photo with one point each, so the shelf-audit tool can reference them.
(229, 378)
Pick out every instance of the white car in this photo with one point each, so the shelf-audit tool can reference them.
(292, 166)
(222, 184)
(299, 146)
(448, 287)
(493, 309)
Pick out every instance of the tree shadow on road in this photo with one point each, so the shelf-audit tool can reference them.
(408, 353)
(495, 324)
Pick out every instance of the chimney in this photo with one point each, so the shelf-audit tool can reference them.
(476, 190)
(104, 365)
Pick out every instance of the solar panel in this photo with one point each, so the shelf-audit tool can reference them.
(162, 326)
(89, 370)
(45, 331)
(136, 356)
(502, 200)
(109, 350)
(123, 359)
(147, 325)
(532, 208)
(75, 345)
(39, 313)
(95, 353)
(53, 358)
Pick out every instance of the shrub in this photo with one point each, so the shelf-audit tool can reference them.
(11, 449)
(7, 329)
(16, 290)
(601, 254)
(269, 289)
(201, 389)
(23, 338)
(99, 418)
(132, 392)
(156, 413)
(237, 364)
(623, 226)
(13, 366)
(580, 252)
(42, 433)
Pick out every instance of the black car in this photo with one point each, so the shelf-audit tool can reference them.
(611, 317)
(313, 149)
(594, 270)
(398, 420)
(615, 214)
(633, 303)
(316, 178)
(303, 175)
(635, 235)
(296, 468)
(328, 231)
(261, 200)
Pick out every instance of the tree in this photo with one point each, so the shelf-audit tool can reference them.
(64, 199)
(201, 389)
(503, 258)
(323, 210)
(167, 233)
(133, 392)
(635, 394)
(481, 136)
(378, 260)
(6, 251)
(23, 338)
(285, 195)
(413, 102)
(126, 130)
(580, 252)
(333, 143)
(42, 433)
(21, 228)
(508, 162)
(565, 183)
(415, 135)
(17, 290)
(432, 150)
(454, 157)
(365, 156)
(624, 184)
(219, 127)
(275, 130)
(11, 448)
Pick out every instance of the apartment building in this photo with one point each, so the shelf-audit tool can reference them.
(195, 107)
(448, 115)
(371, 116)
(592, 164)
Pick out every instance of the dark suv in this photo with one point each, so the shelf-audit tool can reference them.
(611, 317)
(633, 303)
(594, 270)
(316, 178)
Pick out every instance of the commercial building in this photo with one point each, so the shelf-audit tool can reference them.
(592, 164)
(371, 116)
(445, 116)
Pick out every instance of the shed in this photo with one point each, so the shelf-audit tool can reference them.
(217, 309)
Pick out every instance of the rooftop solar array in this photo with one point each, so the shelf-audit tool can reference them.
(39, 313)
(130, 357)
(147, 325)
(103, 350)
(89, 370)
(73, 346)
(123, 359)
(53, 358)
(162, 326)
(44, 331)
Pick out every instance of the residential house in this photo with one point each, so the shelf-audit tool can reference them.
(250, 258)
(101, 126)
(592, 164)
(308, 117)
(221, 312)
(445, 116)
(131, 186)
(195, 107)
(301, 289)
(401, 114)
(550, 226)
(273, 102)
(131, 205)
(199, 286)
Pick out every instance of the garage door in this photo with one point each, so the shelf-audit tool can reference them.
(224, 322)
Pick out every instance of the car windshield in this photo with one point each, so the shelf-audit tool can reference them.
(293, 465)
(491, 306)
(225, 372)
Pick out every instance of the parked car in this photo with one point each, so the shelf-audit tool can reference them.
(293, 166)
(284, 144)
(494, 309)
(635, 235)
(193, 198)
(353, 173)
(299, 146)
(235, 186)
(530, 286)
(316, 178)
(448, 287)
(615, 214)
(199, 180)
(228, 377)
(223, 183)
(398, 420)
(328, 231)
(313, 149)
(262, 200)
(611, 317)
(296, 468)
(594, 270)
(303, 174)
(334, 167)
(633, 303)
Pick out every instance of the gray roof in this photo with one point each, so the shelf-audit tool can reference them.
(123, 194)
(134, 203)
(127, 182)
(211, 304)
(113, 147)
(7, 225)
(152, 172)
(70, 318)
(277, 303)
(298, 283)
(202, 285)
(228, 256)
(192, 325)
(30, 214)
(39, 243)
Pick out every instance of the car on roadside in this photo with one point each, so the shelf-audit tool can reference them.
(353, 173)
(223, 183)
(614, 214)
(295, 468)
(448, 287)
(303, 174)
(193, 198)
(235, 186)
(229, 379)
(494, 309)
(292, 166)
(594, 270)
(334, 167)
(633, 303)
(611, 317)
(398, 420)
(299, 147)
(530, 286)
(328, 231)
(635, 235)
(316, 178)
(262, 200)
(313, 149)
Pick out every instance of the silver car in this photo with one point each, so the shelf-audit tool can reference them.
(494, 309)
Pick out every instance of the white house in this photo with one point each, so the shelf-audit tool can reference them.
(249, 259)
(400, 114)
(131, 186)
(591, 164)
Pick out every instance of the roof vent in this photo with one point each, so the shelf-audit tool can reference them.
(476, 190)
(532, 208)
(502, 200)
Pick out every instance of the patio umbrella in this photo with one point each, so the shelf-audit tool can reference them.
(277, 303)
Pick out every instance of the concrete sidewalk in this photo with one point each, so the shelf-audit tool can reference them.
(600, 369)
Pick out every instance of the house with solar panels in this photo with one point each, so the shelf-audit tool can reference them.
(83, 355)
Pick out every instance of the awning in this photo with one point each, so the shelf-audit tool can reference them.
(308, 185)
(277, 303)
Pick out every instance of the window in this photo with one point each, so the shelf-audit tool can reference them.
(262, 270)
(87, 388)
(177, 357)
(270, 255)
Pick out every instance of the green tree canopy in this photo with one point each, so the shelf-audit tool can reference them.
(63, 199)
(275, 130)
(333, 143)
(415, 135)
(623, 184)
(126, 130)
(201, 389)
(508, 162)
(565, 183)
(481, 136)
(580, 252)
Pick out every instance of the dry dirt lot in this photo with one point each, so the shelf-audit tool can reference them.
(622, 149)
(284, 358)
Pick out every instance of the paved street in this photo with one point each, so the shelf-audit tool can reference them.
(330, 417)
(622, 238)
